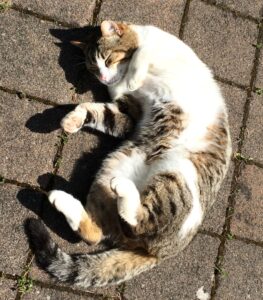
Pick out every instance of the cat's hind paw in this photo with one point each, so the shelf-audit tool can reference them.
(67, 205)
(73, 121)
(128, 199)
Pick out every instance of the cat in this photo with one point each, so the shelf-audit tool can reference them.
(151, 195)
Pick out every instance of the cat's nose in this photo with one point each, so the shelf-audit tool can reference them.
(103, 77)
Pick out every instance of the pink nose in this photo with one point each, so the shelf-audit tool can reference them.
(103, 77)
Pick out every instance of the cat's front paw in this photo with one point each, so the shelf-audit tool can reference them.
(73, 121)
(134, 84)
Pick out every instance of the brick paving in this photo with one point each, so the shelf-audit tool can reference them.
(42, 78)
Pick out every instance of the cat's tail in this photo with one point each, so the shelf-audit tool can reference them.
(84, 270)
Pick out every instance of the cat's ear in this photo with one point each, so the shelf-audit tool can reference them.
(109, 28)
(79, 44)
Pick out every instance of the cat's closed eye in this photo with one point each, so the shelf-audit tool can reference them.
(116, 57)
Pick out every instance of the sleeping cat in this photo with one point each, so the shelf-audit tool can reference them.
(151, 195)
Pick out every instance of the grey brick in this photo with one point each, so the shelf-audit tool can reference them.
(247, 220)
(7, 289)
(30, 60)
(223, 42)
(16, 205)
(180, 277)
(245, 7)
(26, 148)
(164, 14)
(242, 267)
(78, 12)
(253, 146)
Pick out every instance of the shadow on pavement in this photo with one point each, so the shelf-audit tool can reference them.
(86, 166)
(71, 60)
(48, 120)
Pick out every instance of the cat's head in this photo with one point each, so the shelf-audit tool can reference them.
(107, 55)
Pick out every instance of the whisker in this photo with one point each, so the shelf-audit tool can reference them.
(80, 63)
(80, 56)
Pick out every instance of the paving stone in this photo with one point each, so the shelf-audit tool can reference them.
(16, 205)
(223, 42)
(247, 220)
(235, 100)
(78, 12)
(180, 277)
(30, 60)
(253, 146)
(244, 7)
(26, 148)
(7, 289)
(244, 273)
(39, 293)
(144, 12)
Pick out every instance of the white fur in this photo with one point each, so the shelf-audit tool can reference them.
(194, 219)
(201, 294)
(128, 200)
(68, 205)
(173, 73)
(110, 75)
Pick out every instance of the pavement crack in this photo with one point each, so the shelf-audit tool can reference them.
(24, 95)
(226, 8)
(42, 17)
(238, 167)
(68, 289)
(5, 180)
(96, 12)
(184, 19)
(249, 241)
(231, 83)
(210, 233)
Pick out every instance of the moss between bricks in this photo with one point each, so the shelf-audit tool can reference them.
(4, 5)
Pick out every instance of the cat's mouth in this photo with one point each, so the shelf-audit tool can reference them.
(115, 79)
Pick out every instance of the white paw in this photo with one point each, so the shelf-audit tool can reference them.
(68, 205)
(56, 196)
(122, 186)
(128, 201)
(73, 121)
(134, 84)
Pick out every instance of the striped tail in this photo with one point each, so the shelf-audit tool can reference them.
(84, 270)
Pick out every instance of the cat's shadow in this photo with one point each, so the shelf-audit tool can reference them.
(78, 184)
(71, 60)
(88, 163)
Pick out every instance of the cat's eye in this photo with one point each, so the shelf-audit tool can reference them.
(116, 57)
(105, 55)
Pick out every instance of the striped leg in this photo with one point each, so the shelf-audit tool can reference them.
(105, 117)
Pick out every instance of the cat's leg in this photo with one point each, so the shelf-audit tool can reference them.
(138, 69)
(103, 117)
(76, 216)
(162, 201)
(128, 199)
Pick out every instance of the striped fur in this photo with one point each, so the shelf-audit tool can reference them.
(150, 195)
